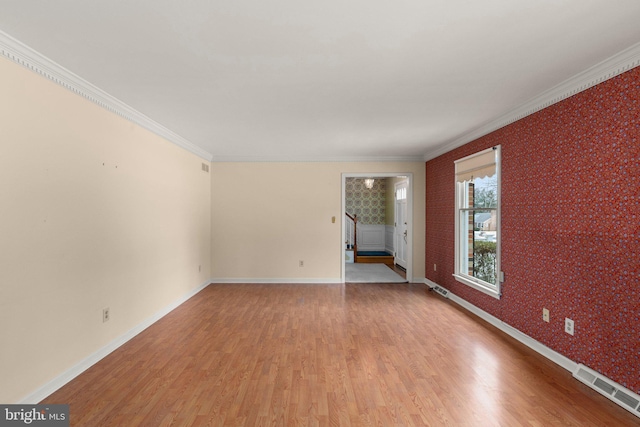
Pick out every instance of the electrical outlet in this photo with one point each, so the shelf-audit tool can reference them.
(105, 315)
(545, 314)
(301, 263)
(568, 326)
(434, 267)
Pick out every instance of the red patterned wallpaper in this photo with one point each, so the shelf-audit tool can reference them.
(570, 226)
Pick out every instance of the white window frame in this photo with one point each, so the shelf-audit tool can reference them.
(460, 240)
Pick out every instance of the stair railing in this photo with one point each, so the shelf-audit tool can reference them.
(351, 231)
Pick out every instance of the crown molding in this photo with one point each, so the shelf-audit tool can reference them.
(22, 54)
(605, 70)
(25, 56)
(316, 159)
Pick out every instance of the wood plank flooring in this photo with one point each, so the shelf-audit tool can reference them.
(329, 355)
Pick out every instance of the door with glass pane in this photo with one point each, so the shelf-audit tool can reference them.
(401, 228)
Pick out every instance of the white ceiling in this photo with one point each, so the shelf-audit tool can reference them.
(322, 80)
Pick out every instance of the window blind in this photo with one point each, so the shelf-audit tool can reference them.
(479, 165)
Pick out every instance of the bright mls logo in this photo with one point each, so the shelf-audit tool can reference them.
(34, 415)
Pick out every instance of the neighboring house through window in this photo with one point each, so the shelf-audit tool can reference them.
(478, 221)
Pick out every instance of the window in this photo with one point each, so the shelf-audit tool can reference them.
(478, 221)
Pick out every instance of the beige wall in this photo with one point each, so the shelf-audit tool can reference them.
(296, 202)
(95, 212)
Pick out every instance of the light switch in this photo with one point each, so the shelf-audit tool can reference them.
(333, 219)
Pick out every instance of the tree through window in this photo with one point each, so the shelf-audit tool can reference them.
(478, 221)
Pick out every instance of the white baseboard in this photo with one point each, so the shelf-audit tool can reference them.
(291, 281)
(269, 280)
(62, 379)
(525, 339)
(613, 391)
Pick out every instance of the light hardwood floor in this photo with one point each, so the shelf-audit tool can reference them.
(355, 354)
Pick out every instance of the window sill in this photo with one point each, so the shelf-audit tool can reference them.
(491, 291)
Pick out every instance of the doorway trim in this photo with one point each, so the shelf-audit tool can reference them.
(374, 175)
(397, 239)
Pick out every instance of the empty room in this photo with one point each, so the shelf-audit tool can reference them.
(187, 187)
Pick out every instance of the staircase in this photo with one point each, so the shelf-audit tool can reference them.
(351, 246)
(351, 235)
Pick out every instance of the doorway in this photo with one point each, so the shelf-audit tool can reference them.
(400, 224)
(397, 226)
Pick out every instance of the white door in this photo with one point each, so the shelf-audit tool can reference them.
(401, 230)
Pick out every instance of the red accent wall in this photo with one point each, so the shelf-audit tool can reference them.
(570, 226)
